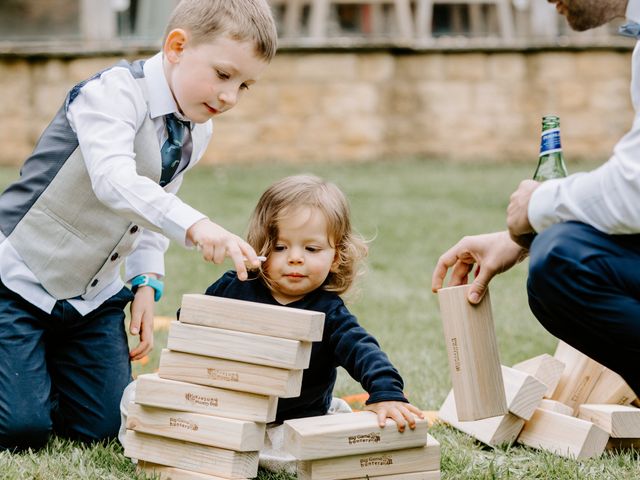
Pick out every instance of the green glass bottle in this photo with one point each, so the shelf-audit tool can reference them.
(551, 162)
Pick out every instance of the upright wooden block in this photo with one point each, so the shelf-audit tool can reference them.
(240, 435)
(563, 435)
(239, 346)
(619, 421)
(472, 349)
(252, 317)
(545, 368)
(329, 436)
(556, 406)
(430, 475)
(493, 431)
(154, 391)
(578, 378)
(171, 473)
(523, 392)
(426, 458)
(191, 456)
(218, 372)
(611, 388)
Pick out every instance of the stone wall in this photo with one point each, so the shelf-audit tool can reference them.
(337, 106)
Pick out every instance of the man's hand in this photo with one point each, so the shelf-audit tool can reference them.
(141, 325)
(493, 252)
(400, 412)
(216, 243)
(518, 213)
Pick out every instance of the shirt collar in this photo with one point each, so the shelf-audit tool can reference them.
(161, 100)
(633, 11)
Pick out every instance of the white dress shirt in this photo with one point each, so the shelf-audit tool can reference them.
(105, 116)
(607, 198)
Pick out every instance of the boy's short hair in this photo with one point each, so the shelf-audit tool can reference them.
(290, 193)
(242, 20)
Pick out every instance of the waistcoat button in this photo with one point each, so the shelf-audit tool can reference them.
(114, 257)
(133, 229)
(94, 283)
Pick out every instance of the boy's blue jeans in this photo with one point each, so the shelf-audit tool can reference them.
(61, 372)
(584, 287)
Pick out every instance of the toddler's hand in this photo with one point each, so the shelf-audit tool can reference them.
(217, 243)
(402, 413)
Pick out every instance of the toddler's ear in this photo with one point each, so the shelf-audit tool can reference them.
(336, 263)
(175, 44)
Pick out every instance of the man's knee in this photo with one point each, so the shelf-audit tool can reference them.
(20, 431)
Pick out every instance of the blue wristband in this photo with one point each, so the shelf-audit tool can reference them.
(146, 280)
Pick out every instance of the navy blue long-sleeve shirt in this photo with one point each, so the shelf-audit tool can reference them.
(344, 343)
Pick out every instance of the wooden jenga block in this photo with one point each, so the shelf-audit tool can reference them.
(623, 444)
(218, 372)
(563, 435)
(611, 388)
(523, 392)
(240, 435)
(391, 462)
(472, 350)
(191, 456)
(329, 436)
(556, 406)
(252, 317)
(545, 368)
(154, 391)
(619, 421)
(578, 378)
(171, 473)
(493, 431)
(431, 475)
(239, 346)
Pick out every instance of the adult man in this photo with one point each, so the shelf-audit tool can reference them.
(583, 285)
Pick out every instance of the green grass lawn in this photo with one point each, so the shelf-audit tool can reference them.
(412, 211)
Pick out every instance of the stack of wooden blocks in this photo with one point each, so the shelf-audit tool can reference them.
(567, 403)
(353, 446)
(203, 416)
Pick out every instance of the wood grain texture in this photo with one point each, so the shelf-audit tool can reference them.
(329, 436)
(252, 317)
(172, 473)
(391, 462)
(230, 374)
(492, 431)
(430, 475)
(191, 456)
(472, 350)
(545, 368)
(523, 392)
(239, 346)
(154, 391)
(563, 435)
(611, 388)
(556, 406)
(619, 421)
(230, 433)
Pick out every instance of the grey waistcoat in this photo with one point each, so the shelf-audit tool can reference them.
(71, 241)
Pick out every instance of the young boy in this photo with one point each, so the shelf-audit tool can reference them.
(100, 188)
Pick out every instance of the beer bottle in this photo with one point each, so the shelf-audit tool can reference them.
(550, 163)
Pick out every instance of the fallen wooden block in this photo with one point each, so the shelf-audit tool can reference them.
(545, 368)
(154, 391)
(392, 462)
(240, 435)
(619, 421)
(523, 392)
(492, 431)
(171, 473)
(191, 456)
(218, 372)
(563, 435)
(329, 436)
(472, 350)
(578, 378)
(430, 475)
(611, 388)
(556, 406)
(252, 317)
(623, 444)
(239, 346)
